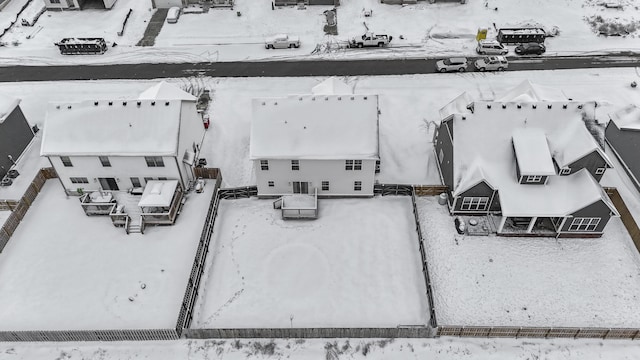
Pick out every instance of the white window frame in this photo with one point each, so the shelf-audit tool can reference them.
(104, 160)
(295, 165)
(584, 224)
(271, 183)
(135, 182)
(357, 164)
(154, 161)
(565, 171)
(601, 170)
(348, 165)
(325, 185)
(264, 165)
(66, 161)
(474, 203)
(357, 186)
(533, 178)
(79, 180)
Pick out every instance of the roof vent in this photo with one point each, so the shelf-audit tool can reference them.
(488, 106)
(504, 106)
(110, 103)
(57, 106)
(564, 106)
(139, 103)
(549, 106)
(275, 103)
(353, 98)
(463, 118)
(264, 103)
(580, 106)
(326, 98)
(300, 98)
(153, 103)
(534, 106)
(364, 97)
(95, 103)
(68, 106)
(313, 98)
(166, 103)
(124, 103)
(339, 97)
(519, 106)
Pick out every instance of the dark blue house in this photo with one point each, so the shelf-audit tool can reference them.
(15, 133)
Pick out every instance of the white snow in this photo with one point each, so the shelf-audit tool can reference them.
(332, 86)
(165, 91)
(62, 270)
(158, 193)
(339, 270)
(532, 152)
(315, 127)
(28, 165)
(7, 104)
(112, 127)
(627, 118)
(505, 281)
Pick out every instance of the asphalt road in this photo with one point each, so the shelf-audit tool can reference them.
(291, 68)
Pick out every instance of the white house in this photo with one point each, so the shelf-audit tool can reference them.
(327, 143)
(75, 4)
(123, 144)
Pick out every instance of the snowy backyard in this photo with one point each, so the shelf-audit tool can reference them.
(336, 271)
(63, 270)
(222, 35)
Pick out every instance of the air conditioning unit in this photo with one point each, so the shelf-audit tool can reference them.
(13, 173)
(6, 181)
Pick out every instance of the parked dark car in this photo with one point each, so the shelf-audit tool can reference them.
(530, 48)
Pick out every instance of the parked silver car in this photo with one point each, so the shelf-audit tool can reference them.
(452, 64)
(282, 41)
(491, 63)
(491, 47)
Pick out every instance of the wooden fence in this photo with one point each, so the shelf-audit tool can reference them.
(430, 190)
(19, 208)
(90, 335)
(538, 332)
(185, 314)
(625, 215)
(271, 333)
(207, 173)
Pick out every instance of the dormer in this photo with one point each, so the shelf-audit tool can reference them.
(533, 158)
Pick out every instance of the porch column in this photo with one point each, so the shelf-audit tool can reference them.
(502, 221)
(531, 223)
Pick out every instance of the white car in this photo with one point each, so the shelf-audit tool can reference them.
(173, 15)
(452, 64)
(491, 47)
(491, 63)
(282, 41)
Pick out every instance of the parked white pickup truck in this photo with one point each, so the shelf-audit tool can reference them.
(370, 39)
(282, 41)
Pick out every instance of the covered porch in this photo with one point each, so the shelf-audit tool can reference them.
(161, 202)
(528, 225)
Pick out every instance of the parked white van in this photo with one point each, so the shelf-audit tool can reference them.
(173, 14)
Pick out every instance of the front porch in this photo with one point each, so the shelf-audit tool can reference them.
(298, 206)
(511, 226)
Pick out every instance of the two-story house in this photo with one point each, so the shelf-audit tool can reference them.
(526, 157)
(328, 143)
(77, 4)
(623, 136)
(123, 144)
(15, 133)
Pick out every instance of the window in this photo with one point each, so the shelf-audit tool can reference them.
(135, 182)
(474, 203)
(147, 179)
(357, 185)
(154, 161)
(79, 180)
(533, 179)
(271, 184)
(357, 164)
(264, 164)
(600, 171)
(441, 156)
(377, 166)
(162, 178)
(565, 171)
(54, 1)
(295, 165)
(325, 186)
(584, 224)
(105, 161)
(66, 161)
(348, 164)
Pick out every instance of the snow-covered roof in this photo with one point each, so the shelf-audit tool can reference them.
(485, 137)
(572, 142)
(112, 128)
(459, 105)
(332, 86)
(7, 104)
(532, 152)
(528, 92)
(315, 127)
(158, 193)
(166, 91)
(627, 118)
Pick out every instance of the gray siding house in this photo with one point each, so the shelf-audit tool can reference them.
(623, 135)
(15, 133)
(527, 160)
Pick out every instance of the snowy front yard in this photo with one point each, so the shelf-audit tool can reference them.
(504, 281)
(63, 270)
(357, 265)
